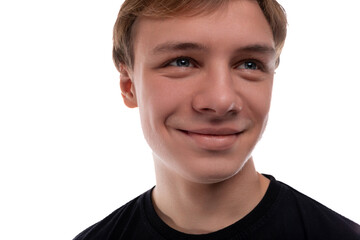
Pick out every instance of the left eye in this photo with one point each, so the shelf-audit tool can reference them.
(181, 62)
(250, 65)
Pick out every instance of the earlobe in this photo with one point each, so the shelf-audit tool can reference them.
(127, 88)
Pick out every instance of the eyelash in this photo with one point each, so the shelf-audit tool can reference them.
(191, 60)
(260, 66)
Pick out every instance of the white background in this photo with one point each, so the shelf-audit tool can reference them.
(70, 152)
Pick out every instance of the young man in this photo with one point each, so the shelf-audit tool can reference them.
(201, 73)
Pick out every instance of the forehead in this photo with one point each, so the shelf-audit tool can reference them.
(240, 22)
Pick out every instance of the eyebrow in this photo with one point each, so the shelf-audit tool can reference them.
(182, 46)
(178, 46)
(260, 48)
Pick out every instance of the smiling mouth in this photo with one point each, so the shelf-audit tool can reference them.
(210, 134)
(212, 131)
(212, 140)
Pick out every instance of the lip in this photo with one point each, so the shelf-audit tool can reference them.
(212, 139)
(214, 131)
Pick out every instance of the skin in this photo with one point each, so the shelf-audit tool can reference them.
(203, 87)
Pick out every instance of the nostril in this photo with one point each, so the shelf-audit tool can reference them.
(208, 110)
(235, 109)
(233, 112)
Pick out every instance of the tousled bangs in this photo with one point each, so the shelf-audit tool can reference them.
(132, 9)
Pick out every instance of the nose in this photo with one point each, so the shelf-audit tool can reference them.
(218, 95)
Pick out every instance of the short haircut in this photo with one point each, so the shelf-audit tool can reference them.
(131, 9)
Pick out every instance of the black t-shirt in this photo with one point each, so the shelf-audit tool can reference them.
(283, 213)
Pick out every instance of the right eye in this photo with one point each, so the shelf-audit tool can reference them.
(249, 65)
(181, 62)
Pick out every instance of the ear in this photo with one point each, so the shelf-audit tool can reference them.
(127, 87)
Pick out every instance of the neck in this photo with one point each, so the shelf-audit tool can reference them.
(197, 208)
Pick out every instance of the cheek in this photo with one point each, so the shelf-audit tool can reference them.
(258, 99)
(158, 100)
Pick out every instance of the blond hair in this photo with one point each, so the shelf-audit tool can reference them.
(131, 9)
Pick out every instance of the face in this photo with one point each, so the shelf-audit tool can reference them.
(203, 87)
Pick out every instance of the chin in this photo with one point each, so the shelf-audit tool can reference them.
(212, 172)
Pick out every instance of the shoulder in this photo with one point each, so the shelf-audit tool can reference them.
(317, 220)
(111, 227)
